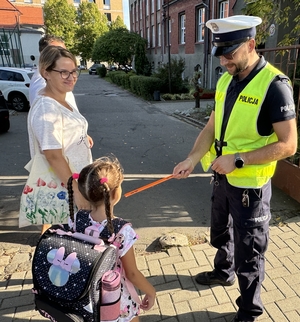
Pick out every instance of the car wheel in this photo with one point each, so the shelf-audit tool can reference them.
(18, 102)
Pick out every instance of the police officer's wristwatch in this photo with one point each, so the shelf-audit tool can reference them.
(239, 162)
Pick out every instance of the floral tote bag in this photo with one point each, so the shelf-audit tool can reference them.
(44, 199)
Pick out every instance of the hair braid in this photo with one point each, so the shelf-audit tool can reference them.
(106, 193)
(71, 200)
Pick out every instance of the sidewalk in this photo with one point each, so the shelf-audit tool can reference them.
(179, 298)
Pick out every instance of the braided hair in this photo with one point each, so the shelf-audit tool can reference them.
(96, 182)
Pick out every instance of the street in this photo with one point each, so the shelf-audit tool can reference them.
(148, 144)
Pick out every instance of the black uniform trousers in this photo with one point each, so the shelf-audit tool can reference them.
(241, 234)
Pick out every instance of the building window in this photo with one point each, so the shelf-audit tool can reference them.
(27, 1)
(136, 12)
(4, 45)
(148, 37)
(152, 6)
(200, 24)
(108, 16)
(158, 5)
(182, 29)
(224, 5)
(141, 10)
(170, 33)
(153, 36)
(76, 1)
(158, 34)
(147, 8)
(106, 4)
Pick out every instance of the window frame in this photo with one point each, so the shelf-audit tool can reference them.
(200, 32)
(182, 20)
(224, 9)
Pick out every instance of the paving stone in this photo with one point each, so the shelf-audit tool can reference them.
(284, 288)
(172, 272)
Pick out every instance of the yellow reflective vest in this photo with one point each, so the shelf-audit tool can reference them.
(241, 132)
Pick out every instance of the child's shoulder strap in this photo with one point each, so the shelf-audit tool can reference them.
(118, 224)
(82, 221)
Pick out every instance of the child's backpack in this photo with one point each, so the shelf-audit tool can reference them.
(68, 269)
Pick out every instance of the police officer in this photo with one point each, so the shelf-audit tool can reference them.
(253, 125)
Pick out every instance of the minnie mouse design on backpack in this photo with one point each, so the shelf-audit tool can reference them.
(69, 269)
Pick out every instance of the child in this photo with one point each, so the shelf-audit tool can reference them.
(100, 184)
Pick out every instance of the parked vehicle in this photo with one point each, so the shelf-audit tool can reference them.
(14, 84)
(93, 68)
(112, 68)
(4, 115)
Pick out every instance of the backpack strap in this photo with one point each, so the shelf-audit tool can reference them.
(83, 221)
(118, 224)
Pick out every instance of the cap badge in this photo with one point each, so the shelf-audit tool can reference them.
(214, 26)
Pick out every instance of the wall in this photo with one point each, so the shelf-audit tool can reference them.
(29, 41)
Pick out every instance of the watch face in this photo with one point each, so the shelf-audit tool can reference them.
(239, 163)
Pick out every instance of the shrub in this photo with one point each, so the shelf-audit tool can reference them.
(177, 83)
(101, 71)
(121, 79)
(145, 86)
(167, 96)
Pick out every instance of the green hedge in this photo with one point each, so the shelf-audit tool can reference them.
(143, 86)
(101, 71)
(120, 78)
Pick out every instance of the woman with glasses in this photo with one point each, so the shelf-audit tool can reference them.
(56, 127)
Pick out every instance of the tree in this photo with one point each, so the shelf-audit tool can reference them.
(115, 46)
(141, 62)
(280, 12)
(118, 23)
(59, 17)
(177, 68)
(91, 24)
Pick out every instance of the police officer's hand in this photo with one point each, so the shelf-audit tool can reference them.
(183, 169)
(224, 164)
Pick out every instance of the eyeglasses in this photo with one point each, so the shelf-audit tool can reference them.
(66, 74)
(230, 55)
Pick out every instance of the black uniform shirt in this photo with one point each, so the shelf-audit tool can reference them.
(278, 105)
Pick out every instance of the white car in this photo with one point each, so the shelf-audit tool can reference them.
(14, 84)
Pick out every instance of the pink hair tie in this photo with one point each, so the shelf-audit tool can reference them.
(103, 180)
(75, 176)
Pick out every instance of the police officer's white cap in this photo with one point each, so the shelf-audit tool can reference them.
(230, 32)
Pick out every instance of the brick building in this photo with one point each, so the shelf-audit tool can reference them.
(111, 8)
(21, 28)
(22, 25)
(181, 23)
